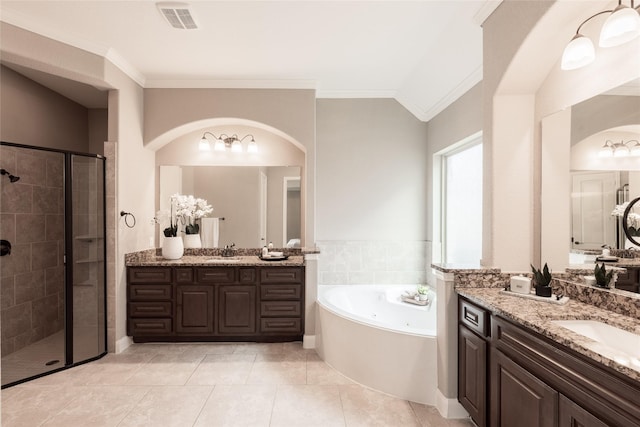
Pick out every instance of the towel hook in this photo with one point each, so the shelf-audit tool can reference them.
(126, 216)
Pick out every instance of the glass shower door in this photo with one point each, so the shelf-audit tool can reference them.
(88, 258)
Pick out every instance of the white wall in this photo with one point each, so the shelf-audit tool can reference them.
(372, 178)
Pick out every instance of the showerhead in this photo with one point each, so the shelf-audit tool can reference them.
(12, 178)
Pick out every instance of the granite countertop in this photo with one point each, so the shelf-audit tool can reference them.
(537, 315)
(466, 268)
(211, 261)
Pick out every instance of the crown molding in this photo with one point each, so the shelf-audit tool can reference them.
(427, 114)
(340, 94)
(20, 20)
(228, 84)
(485, 10)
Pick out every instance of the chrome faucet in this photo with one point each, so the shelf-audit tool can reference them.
(229, 251)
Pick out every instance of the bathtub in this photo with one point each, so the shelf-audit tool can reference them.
(369, 335)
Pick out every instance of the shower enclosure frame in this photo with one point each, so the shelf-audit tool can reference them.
(68, 260)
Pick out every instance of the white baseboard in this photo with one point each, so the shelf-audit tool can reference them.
(449, 408)
(123, 343)
(309, 341)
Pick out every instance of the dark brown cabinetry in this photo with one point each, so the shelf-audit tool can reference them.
(629, 280)
(530, 380)
(215, 303)
(472, 362)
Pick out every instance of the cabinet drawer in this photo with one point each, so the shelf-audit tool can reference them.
(281, 325)
(149, 326)
(280, 308)
(474, 317)
(281, 275)
(149, 275)
(149, 292)
(215, 275)
(150, 309)
(184, 275)
(280, 292)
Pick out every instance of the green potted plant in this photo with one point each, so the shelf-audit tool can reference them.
(423, 292)
(542, 281)
(603, 278)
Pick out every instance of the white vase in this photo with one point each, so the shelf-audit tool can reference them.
(172, 248)
(192, 241)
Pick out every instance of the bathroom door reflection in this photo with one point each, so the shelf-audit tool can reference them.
(87, 237)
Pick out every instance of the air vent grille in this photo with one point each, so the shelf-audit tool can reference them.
(178, 15)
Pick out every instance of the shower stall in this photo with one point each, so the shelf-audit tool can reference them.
(52, 263)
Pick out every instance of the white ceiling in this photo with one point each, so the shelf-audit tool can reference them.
(425, 54)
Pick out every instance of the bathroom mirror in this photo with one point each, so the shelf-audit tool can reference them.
(254, 205)
(594, 184)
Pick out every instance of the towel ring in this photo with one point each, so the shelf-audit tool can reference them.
(126, 216)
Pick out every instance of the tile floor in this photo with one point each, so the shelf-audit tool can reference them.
(244, 384)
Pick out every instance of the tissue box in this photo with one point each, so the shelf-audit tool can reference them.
(521, 284)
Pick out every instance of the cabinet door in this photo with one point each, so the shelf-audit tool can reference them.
(237, 309)
(472, 375)
(573, 415)
(518, 398)
(194, 313)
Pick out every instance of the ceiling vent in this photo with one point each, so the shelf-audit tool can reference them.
(178, 15)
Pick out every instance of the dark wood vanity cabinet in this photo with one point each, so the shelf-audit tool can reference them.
(629, 280)
(215, 303)
(472, 361)
(532, 381)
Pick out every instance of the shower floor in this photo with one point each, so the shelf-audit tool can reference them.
(32, 360)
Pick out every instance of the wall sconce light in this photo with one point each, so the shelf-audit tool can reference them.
(225, 142)
(621, 26)
(620, 149)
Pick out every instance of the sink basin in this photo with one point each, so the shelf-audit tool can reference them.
(222, 260)
(621, 345)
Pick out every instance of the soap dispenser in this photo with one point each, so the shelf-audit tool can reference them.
(265, 251)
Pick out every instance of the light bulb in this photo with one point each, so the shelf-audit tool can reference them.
(204, 145)
(621, 150)
(252, 147)
(578, 53)
(621, 26)
(219, 145)
(236, 147)
(605, 151)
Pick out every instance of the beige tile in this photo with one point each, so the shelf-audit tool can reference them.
(428, 416)
(307, 405)
(109, 373)
(319, 372)
(365, 407)
(210, 348)
(32, 405)
(259, 348)
(278, 372)
(97, 406)
(223, 369)
(166, 369)
(168, 406)
(238, 405)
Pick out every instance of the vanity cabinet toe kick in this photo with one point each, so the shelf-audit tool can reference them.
(223, 303)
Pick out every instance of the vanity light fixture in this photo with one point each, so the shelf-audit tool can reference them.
(620, 149)
(225, 142)
(621, 26)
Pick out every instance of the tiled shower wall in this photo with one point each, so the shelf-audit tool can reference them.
(32, 219)
(372, 262)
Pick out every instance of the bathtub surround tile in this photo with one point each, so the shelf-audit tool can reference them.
(31, 167)
(372, 262)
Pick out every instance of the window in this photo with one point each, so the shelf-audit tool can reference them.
(461, 226)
